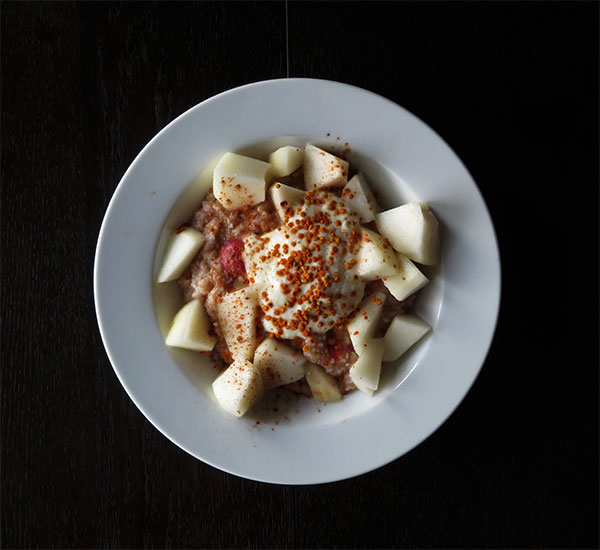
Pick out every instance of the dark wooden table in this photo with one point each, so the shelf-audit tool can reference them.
(512, 87)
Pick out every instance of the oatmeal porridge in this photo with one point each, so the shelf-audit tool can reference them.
(292, 276)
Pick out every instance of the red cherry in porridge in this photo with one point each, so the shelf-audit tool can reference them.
(230, 256)
(338, 349)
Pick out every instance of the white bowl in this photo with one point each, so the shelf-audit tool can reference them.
(303, 442)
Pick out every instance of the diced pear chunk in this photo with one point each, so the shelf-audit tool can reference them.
(239, 387)
(376, 257)
(239, 181)
(324, 387)
(237, 317)
(278, 363)
(360, 198)
(285, 198)
(363, 325)
(365, 372)
(322, 169)
(405, 331)
(285, 160)
(181, 249)
(407, 281)
(190, 328)
(413, 230)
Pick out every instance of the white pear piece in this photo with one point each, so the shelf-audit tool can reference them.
(363, 325)
(365, 372)
(413, 230)
(324, 387)
(239, 181)
(408, 280)
(359, 197)
(237, 317)
(238, 387)
(322, 169)
(190, 327)
(376, 257)
(278, 363)
(405, 331)
(285, 198)
(183, 245)
(285, 160)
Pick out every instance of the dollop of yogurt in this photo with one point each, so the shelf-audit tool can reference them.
(305, 269)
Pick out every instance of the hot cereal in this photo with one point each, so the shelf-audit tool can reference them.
(296, 278)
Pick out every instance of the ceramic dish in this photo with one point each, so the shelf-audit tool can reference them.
(292, 440)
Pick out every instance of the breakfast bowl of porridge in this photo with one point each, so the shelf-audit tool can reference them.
(297, 281)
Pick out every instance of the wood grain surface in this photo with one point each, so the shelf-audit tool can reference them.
(512, 87)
